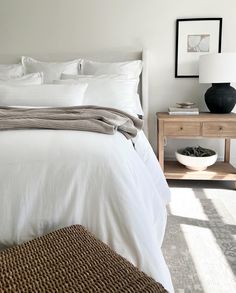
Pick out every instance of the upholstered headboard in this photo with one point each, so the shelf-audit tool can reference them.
(105, 56)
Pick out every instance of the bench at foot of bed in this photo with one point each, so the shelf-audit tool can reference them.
(70, 260)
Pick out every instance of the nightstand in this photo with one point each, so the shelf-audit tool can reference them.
(204, 125)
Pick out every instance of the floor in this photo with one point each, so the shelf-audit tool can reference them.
(200, 240)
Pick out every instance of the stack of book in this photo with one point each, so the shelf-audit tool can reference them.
(183, 111)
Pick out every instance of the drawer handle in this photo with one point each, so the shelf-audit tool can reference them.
(181, 128)
(220, 128)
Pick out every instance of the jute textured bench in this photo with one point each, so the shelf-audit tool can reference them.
(70, 260)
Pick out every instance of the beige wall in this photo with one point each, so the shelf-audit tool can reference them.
(42, 26)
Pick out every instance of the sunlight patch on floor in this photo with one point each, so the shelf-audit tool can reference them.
(209, 260)
(213, 193)
(224, 213)
(182, 204)
(225, 206)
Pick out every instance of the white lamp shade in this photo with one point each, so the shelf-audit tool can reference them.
(217, 68)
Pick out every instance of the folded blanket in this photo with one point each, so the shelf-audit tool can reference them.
(83, 118)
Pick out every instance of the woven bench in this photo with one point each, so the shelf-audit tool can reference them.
(70, 260)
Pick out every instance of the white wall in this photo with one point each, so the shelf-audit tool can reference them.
(42, 26)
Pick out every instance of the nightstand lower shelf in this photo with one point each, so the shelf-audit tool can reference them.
(218, 171)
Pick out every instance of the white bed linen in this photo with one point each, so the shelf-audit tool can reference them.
(51, 179)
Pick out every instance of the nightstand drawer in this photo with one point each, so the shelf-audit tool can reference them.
(182, 129)
(219, 129)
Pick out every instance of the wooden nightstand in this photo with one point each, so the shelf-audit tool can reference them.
(204, 125)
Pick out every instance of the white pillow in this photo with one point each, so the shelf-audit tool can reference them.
(51, 70)
(130, 68)
(10, 70)
(28, 79)
(115, 91)
(47, 95)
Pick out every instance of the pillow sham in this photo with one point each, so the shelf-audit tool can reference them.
(130, 68)
(115, 91)
(10, 70)
(46, 95)
(51, 70)
(28, 79)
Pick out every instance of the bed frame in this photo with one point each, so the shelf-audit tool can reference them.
(105, 56)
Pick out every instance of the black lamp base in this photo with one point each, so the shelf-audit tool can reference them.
(220, 98)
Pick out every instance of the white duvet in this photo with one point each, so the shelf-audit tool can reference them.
(52, 179)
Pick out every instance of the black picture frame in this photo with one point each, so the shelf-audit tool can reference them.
(181, 25)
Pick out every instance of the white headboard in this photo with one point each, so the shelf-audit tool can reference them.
(105, 56)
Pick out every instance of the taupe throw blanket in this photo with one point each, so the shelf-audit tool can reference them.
(84, 118)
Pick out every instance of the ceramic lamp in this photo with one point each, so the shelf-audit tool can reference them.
(220, 70)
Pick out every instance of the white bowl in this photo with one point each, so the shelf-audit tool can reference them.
(195, 163)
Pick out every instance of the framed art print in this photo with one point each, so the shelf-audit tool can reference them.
(195, 37)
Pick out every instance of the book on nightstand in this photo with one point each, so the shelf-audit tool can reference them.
(183, 111)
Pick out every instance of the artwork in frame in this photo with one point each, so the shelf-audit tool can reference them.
(195, 37)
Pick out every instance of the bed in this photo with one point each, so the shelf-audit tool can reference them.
(113, 186)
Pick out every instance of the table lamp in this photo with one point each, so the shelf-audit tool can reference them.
(220, 70)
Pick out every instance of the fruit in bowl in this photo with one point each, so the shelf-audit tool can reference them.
(196, 158)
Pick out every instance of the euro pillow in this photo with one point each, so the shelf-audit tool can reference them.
(132, 69)
(46, 95)
(51, 70)
(28, 79)
(115, 91)
(8, 71)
